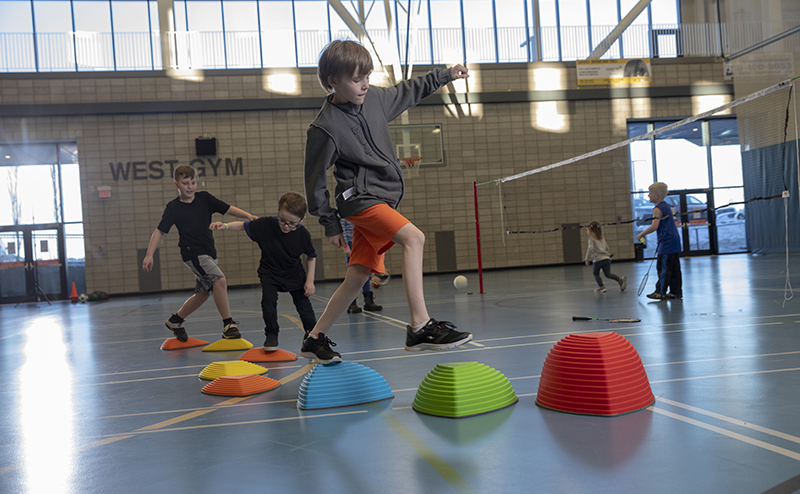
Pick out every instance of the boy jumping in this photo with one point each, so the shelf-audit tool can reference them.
(191, 213)
(283, 240)
(351, 132)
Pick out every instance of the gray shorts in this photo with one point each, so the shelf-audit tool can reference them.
(206, 272)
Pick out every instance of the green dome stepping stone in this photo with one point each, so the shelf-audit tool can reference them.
(463, 389)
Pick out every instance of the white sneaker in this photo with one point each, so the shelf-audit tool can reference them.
(600, 289)
(623, 283)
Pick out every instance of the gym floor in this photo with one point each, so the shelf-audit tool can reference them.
(93, 405)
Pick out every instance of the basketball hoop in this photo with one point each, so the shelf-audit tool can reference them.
(411, 164)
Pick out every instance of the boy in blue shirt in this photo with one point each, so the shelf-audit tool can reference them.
(669, 246)
(283, 240)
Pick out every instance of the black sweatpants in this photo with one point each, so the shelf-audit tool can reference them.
(269, 308)
(669, 274)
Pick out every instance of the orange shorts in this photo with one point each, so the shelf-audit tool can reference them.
(373, 231)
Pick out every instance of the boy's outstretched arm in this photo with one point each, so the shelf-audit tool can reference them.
(459, 71)
(240, 213)
(236, 226)
(657, 214)
(155, 239)
(309, 288)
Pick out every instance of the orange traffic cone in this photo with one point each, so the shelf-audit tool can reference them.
(74, 295)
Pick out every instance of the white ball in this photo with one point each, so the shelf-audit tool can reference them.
(460, 282)
(83, 298)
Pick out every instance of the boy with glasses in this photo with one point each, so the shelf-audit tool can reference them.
(283, 240)
(351, 134)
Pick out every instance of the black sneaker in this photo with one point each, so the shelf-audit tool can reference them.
(656, 296)
(436, 335)
(319, 349)
(178, 330)
(231, 331)
(354, 308)
(271, 342)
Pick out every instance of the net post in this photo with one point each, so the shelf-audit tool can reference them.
(478, 235)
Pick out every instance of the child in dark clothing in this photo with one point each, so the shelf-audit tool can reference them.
(191, 214)
(351, 132)
(283, 240)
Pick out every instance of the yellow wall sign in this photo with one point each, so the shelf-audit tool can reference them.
(620, 72)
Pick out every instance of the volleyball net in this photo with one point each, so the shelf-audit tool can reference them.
(739, 160)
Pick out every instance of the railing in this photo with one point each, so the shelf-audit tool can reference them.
(90, 51)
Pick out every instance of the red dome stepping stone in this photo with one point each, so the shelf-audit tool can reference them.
(259, 355)
(176, 344)
(594, 374)
(240, 385)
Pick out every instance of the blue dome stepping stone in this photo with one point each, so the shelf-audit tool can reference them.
(341, 384)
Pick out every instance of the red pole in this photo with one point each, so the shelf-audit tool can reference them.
(478, 235)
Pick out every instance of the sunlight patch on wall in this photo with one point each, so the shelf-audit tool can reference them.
(702, 104)
(282, 83)
(545, 114)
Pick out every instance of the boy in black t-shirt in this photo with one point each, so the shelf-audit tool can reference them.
(191, 214)
(282, 240)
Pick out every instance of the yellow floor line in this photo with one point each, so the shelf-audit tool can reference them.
(444, 469)
(231, 424)
(755, 442)
(175, 420)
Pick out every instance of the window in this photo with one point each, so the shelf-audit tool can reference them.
(93, 44)
(53, 38)
(16, 38)
(551, 40)
(574, 29)
(479, 30)
(132, 40)
(512, 39)
(604, 17)
(448, 46)
(277, 33)
(311, 21)
(242, 39)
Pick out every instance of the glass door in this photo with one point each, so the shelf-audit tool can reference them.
(696, 225)
(31, 264)
(13, 265)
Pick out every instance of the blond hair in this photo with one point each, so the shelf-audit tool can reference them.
(597, 232)
(342, 58)
(660, 187)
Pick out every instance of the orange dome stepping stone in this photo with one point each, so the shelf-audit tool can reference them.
(240, 385)
(176, 344)
(259, 355)
(594, 374)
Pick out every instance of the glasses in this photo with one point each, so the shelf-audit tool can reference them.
(288, 224)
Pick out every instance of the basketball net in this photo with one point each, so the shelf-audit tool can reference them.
(411, 165)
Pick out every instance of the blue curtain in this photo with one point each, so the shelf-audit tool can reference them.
(767, 171)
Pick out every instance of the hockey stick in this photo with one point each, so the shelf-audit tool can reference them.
(623, 319)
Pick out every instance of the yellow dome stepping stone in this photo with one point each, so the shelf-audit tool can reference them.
(229, 345)
(230, 368)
